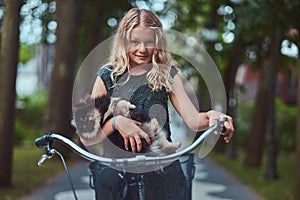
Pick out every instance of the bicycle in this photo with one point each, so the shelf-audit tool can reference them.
(127, 163)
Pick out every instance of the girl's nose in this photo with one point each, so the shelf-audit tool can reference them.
(142, 47)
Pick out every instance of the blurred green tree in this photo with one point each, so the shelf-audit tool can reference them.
(214, 24)
(25, 53)
(257, 29)
(58, 111)
(99, 22)
(297, 189)
(263, 25)
(81, 26)
(294, 34)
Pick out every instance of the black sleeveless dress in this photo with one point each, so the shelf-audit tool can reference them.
(166, 184)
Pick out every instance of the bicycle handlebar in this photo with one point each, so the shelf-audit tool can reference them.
(138, 160)
(42, 141)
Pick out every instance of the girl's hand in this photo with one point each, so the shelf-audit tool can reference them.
(213, 118)
(131, 133)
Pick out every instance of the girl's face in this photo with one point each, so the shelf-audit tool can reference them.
(141, 46)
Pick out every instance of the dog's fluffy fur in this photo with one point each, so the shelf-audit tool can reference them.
(160, 144)
(89, 115)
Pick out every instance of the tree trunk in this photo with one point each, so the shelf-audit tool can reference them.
(96, 26)
(59, 108)
(272, 149)
(95, 16)
(262, 110)
(256, 136)
(229, 81)
(297, 188)
(8, 72)
(1, 24)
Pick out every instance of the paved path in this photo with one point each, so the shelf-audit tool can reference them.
(211, 182)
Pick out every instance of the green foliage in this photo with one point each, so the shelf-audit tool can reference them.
(25, 53)
(252, 18)
(20, 132)
(285, 124)
(95, 17)
(29, 116)
(243, 121)
(257, 21)
(192, 15)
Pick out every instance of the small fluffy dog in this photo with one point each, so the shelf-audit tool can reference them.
(90, 114)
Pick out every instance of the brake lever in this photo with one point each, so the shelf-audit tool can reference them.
(222, 119)
(49, 154)
(223, 131)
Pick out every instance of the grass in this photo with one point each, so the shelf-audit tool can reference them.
(281, 188)
(27, 175)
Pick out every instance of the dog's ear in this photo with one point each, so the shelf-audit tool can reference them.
(113, 103)
(154, 124)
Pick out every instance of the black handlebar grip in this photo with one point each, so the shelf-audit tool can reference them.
(42, 141)
(223, 131)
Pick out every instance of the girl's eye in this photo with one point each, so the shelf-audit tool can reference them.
(150, 42)
(135, 42)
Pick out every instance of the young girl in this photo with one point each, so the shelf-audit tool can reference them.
(140, 71)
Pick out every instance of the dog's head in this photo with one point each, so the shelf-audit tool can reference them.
(86, 118)
(118, 106)
(90, 114)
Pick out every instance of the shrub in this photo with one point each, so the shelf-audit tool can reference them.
(29, 116)
(285, 124)
(243, 121)
(286, 116)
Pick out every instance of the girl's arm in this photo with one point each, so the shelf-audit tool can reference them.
(195, 120)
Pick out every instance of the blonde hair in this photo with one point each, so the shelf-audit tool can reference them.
(159, 76)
